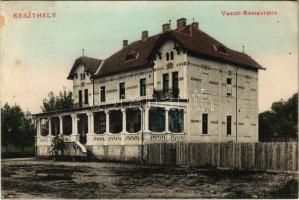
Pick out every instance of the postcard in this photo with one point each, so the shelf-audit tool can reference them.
(149, 99)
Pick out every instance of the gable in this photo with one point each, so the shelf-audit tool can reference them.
(91, 65)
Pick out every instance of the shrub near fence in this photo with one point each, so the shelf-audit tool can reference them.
(282, 156)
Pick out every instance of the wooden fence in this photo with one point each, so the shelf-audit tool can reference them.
(282, 156)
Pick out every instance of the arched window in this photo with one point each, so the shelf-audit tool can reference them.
(157, 119)
(115, 121)
(171, 55)
(167, 56)
(176, 120)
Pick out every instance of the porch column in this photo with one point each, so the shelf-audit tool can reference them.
(50, 126)
(124, 120)
(90, 123)
(61, 125)
(167, 120)
(74, 125)
(90, 131)
(74, 135)
(146, 119)
(38, 134)
(107, 121)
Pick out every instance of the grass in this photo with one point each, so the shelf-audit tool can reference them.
(288, 191)
(114, 180)
(17, 152)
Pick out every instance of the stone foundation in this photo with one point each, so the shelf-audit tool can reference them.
(115, 152)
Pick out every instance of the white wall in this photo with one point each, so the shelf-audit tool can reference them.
(204, 74)
(162, 66)
(203, 82)
(132, 85)
(81, 85)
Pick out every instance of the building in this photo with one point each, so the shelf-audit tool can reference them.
(179, 85)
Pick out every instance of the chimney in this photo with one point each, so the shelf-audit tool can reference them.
(144, 35)
(125, 43)
(165, 28)
(180, 23)
(195, 25)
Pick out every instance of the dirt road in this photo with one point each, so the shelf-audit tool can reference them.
(30, 178)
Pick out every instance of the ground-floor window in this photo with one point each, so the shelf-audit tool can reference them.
(229, 124)
(67, 125)
(133, 120)
(115, 121)
(44, 127)
(99, 122)
(55, 126)
(204, 123)
(176, 120)
(157, 119)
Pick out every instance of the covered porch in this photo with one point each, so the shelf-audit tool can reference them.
(148, 123)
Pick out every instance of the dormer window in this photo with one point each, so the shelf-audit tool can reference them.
(171, 55)
(132, 56)
(160, 55)
(220, 49)
(167, 56)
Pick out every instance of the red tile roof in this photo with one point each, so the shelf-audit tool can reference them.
(91, 64)
(195, 41)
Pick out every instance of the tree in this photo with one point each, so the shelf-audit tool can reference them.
(63, 101)
(57, 145)
(281, 120)
(17, 127)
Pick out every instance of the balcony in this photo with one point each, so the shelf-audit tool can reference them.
(78, 105)
(166, 94)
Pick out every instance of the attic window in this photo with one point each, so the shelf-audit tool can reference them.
(220, 49)
(132, 56)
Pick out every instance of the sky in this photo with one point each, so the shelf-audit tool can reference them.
(37, 54)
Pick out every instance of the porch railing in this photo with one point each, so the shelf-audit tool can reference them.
(164, 94)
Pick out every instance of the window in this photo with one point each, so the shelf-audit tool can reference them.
(102, 94)
(175, 84)
(176, 120)
(156, 119)
(167, 56)
(132, 56)
(80, 76)
(143, 87)
(122, 91)
(83, 76)
(165, 83)
(220, 49)
(86, 96)
(80, 98)
(228, 124)
(171, 55)
(247, 90)
(229, 87)
(205, 123)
